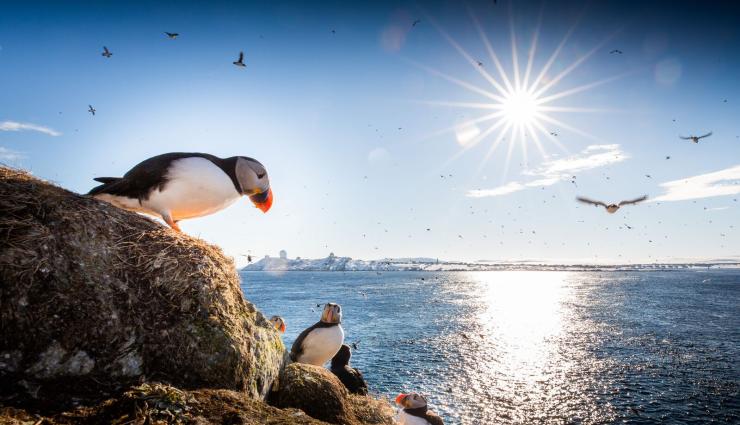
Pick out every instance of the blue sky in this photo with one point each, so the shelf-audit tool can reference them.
(349, 123)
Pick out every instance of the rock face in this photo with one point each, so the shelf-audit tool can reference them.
(320, 394)
(162, 404)
(93, 298)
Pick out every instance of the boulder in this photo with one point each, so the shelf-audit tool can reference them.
(320, 394)
(94, 298)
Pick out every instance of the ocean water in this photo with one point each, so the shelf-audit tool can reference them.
(533, 347)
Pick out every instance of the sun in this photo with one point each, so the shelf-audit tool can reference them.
(520, 108)
(519, 103)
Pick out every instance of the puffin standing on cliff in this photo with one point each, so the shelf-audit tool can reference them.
(415, 411)
(279, 323)
(350, 377)
(178, 185)
(319, 343)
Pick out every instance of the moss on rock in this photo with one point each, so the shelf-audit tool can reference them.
(109, 297)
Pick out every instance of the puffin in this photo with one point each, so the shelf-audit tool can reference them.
(415, 411)
(279, 323)
(611, 208)
(321, 341)
(350, 377)
(179, 185)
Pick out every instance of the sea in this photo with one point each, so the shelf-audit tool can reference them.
(513, 347)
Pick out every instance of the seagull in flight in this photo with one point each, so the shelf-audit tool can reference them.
(616, 51)
(611, 208)
(106, 52)
(695, 139)
(240, 62)
(91, 110)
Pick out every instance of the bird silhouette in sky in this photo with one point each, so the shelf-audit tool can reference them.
(172, 35)
(418, 21)
(696, 139)
(91, 109)
(616, 51)
(240, 62)
(611, 208)
(106, 52)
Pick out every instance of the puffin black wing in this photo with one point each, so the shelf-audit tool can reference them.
(107, 179)
(433, 418)
(148, 175)
(297, 349)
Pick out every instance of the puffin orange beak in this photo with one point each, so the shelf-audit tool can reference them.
(282, 328)
(400, 399)
(263, 201)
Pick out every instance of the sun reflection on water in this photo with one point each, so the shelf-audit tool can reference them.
(523, 318)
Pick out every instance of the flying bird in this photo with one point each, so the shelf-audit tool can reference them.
(172, 35)
(695, 139)
(418, 21)
(611, 208)
(91, 109)
(480, 63)
(177, 186)
(240, 62)
(106, 52)
(616, 51)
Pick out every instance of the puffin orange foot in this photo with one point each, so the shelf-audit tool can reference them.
(172, 223)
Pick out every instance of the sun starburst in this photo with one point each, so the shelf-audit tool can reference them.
(519, 104)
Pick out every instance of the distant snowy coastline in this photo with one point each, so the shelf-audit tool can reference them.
(347, 264)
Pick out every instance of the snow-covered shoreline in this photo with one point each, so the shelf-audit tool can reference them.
(346, 264)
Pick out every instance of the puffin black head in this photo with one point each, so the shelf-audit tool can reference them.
(342, 357)
(332, 313)
(253, 181)
(411, 401)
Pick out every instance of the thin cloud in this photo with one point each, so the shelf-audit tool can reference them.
(556, 170)
(10, 155)
(719, 183)
(21, 126)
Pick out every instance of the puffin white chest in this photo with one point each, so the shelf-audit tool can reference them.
(321, 345)
(406, 419)
(195, 187)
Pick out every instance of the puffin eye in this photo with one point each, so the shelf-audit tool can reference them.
(260, 175)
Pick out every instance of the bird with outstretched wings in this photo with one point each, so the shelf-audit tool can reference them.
(611, 208)
(696, 139)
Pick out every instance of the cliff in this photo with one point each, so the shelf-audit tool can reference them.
(100, 308)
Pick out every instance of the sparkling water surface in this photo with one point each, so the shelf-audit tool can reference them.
(533, 347)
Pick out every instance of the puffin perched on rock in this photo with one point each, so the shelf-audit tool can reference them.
(320, 342)
(350, 377)
(415, 411)
(180, 185)
(279, 323)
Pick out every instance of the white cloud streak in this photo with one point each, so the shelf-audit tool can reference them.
(20, 126)
(718, 183)
(555, 170)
